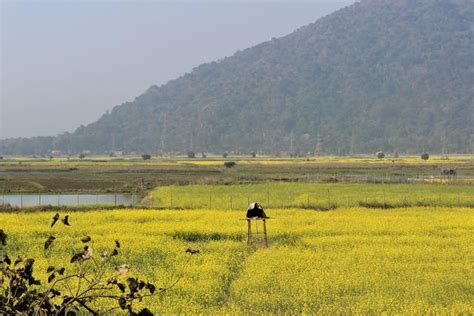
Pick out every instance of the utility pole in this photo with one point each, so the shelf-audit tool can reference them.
(472, 143)
(352, 150)
(317, 150)
(162, 134)
(291, 143)
(444, 141)
(191, 140)
(113, 141)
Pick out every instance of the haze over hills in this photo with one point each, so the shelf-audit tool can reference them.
(377, 75)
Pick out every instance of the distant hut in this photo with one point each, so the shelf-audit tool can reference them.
(450, 172)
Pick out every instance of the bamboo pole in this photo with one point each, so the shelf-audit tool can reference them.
(256, 232)
(265, 232)
(249, 232)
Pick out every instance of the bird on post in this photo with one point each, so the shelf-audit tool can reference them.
(255, 210)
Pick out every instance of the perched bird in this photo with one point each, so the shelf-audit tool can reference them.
(55, 219)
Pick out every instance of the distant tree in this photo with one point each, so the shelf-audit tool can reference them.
(253, 154)
(1, 157)
(225, 155)
(111, 155)
(230, 164)
(203, 155)
(396, 155)
(380, 155)
(425, 156)
(146, 157)
(191, 154)
(82, 156)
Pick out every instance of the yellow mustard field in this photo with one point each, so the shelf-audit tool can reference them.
(348, 261)
(362, 160)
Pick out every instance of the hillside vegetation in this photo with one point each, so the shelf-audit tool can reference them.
(377, 75)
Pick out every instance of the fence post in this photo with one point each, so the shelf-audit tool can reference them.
(115, 199)
(21, 200)
(59, 197)
(77, 199)
(39, 199)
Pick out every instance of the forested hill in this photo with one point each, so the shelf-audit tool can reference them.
(392, 75)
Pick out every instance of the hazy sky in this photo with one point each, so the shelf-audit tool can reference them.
(64, 63)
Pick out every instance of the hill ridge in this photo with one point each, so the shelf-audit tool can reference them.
(376, 75)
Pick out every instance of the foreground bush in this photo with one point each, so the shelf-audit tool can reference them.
(78, 287)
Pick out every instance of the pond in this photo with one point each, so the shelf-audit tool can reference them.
(22, 200)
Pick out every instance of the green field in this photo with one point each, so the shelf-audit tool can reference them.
(350, 261)
(310, 195)
(131, 173)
